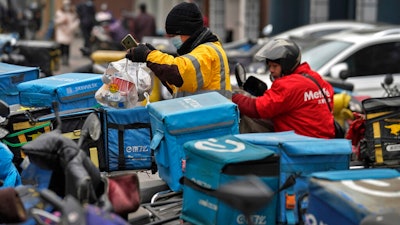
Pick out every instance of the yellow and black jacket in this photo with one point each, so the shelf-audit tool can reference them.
(201, 66)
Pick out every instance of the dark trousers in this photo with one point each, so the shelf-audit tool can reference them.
(86, 32)
(64, 53)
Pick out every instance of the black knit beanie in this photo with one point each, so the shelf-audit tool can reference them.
(185, 18)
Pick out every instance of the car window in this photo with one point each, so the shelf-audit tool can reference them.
(318, 53)
(375, 59)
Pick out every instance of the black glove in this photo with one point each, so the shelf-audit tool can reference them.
(151, 47)
(139, 53)
(167, 86)
(255, 86)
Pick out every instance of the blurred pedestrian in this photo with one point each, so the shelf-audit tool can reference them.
(33, 19)
(145, 24)
(66, 23)
(121, 27)
(205, 21)
(3, 16)
(9, 17)
(87, 15)
(104, 16)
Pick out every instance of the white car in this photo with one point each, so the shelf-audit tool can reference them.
(318, 30)
(243, 50)
(360, 57)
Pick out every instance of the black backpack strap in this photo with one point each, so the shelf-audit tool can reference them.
(320, 88)
(186, 181)
(121, 128)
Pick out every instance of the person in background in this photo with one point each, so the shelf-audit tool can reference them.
(4, 17)
(104, 16)
(294, 102)
(66, 23)
(145, 24)
(9, 18)
(121, 27)
(201, 65)
(86, 12)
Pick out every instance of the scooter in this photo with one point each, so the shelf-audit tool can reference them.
(250, 194)
(33, 53)
(8, 50)
(391, 90)
(372, 109)
(235, 194)
(78, 180)
(75, 175)
(345, 104)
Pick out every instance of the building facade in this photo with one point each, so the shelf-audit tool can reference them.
(237, 19)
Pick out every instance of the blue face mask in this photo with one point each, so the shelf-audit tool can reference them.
(176, 41)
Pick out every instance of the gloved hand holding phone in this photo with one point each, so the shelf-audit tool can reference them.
(136, 52)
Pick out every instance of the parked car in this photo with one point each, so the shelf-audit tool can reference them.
(361, 57)
(243, 50)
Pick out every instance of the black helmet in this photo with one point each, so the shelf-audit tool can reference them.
(285, 52)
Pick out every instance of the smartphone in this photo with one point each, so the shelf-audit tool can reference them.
(128, 42)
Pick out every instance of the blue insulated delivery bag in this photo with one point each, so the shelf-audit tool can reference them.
(299, 157)
(176, 121)
(213, 162)
(12, 75)
(347, 197)
(127, 136)
(70, 90)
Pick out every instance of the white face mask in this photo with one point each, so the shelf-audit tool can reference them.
(177, 41)
(67, 7)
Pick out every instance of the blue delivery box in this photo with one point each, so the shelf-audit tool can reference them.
(127, 137)
(299, 157)
(10, 76)
(348, 197)
(70, 90)
(214, 162)
(176, 121)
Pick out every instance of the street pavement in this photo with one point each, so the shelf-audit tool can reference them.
(76, 59)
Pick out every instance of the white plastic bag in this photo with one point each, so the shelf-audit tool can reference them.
(125, 84)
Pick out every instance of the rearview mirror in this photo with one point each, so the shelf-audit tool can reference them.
(340, 71)
(267, 30)
(388, 80)
(91, 128)
(240, 74)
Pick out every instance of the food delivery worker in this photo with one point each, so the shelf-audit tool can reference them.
(201, 64)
